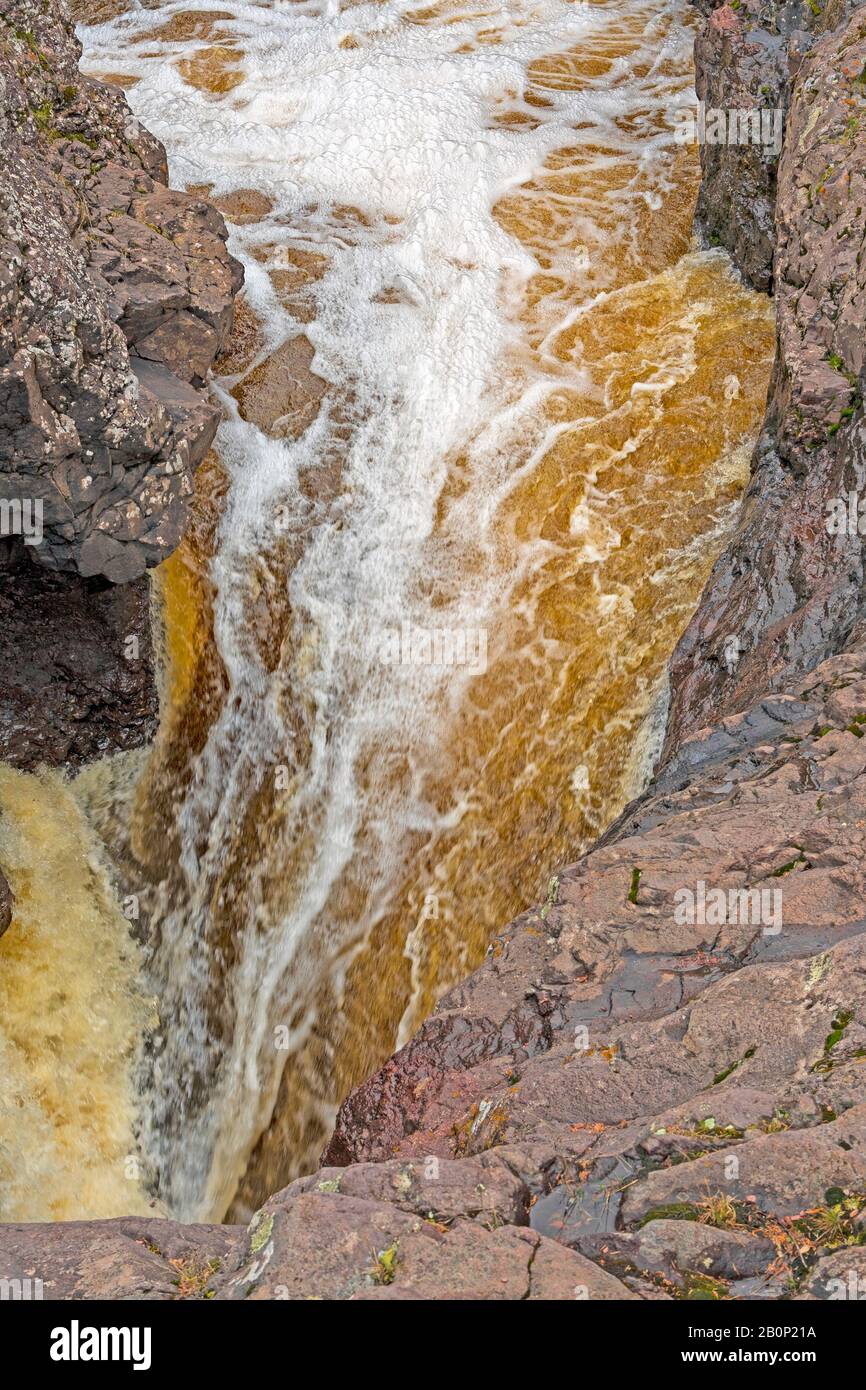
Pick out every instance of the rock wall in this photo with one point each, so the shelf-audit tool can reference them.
(115, 297)
(787, 592)
(746, 58)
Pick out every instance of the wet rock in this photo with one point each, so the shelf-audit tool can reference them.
(840, 1277)
(484, 1189)
(282, 395)
(100, 263)
(133, 1257)
(787, 593)
(324, 1245)
(245, 344)
(76, 660)
(746, 58)
(7, 903)
(243, 205)
(116, 294)
(188, 24)
(782, 1174)
(676, 1248)
(194, 417)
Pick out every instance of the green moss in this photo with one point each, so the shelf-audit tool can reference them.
(673, 1211)
(635, 883)
(840, 1023)
(787, 868)
(703, 1288)
(44, 116)
(385, 1268)
(832, 1040)
(723, 1075)
(709, 1126)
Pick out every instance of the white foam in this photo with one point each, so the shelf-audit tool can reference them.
(400, 128)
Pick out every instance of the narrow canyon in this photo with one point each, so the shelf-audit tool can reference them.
(432, 783)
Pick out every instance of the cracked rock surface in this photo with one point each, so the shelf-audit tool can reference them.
(626, 1100)
(116, 294)
(788, 590)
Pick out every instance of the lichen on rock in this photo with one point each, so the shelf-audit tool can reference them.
(102, 267)
(116, 294)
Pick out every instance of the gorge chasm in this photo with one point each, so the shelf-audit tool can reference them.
(252, 889)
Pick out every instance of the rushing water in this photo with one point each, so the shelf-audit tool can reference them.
(486, 384)
(70, 1017)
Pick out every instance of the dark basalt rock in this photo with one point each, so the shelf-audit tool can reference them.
(76, 667)
(116, 294)
(7, 902)
(745, 60)
(787, 592)
(100, 263)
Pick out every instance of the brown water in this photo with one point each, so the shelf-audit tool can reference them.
(516, 403)
(71, 1014)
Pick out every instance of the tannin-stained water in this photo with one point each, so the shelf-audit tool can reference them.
(71, 1016)
(486, 384)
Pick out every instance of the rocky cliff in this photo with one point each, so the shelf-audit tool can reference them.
(115, 296)
(788, 591)
(652, 1088)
